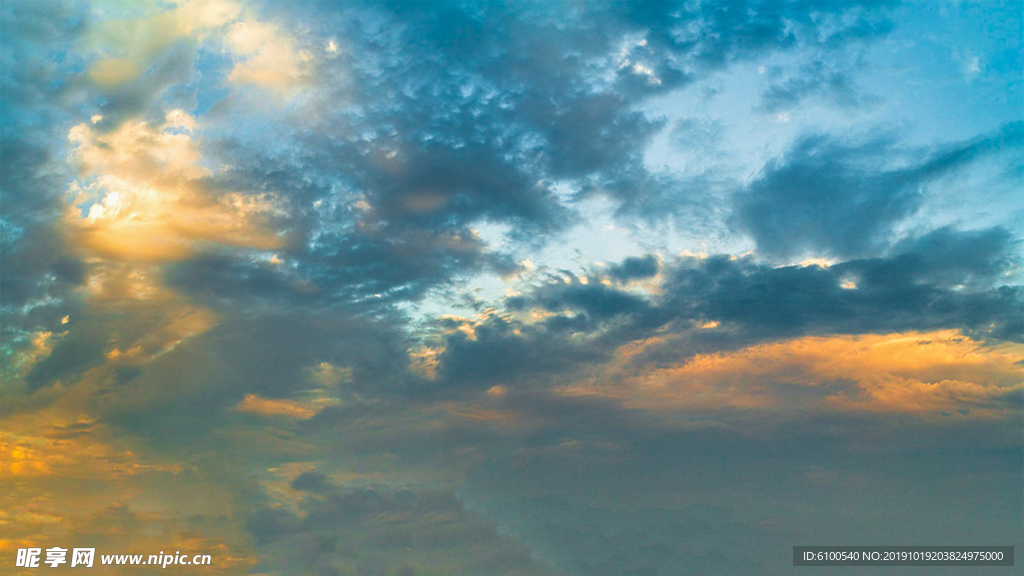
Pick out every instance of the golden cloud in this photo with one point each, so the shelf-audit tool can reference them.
(149, 199)
(263, 55)
(255, 404)
(922, 373)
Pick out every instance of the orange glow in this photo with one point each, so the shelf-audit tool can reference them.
(150, 201)
(67, 480)
(910, 372)
(254, 404)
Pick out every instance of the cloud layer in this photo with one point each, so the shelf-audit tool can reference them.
(370, 288)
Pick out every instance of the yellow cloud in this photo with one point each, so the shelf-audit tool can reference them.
(265, 56)
(138, 41)
(254, 404)
(424, 361)
(921, 373)
(60, 445)
(114, 72)
(69, 480)
(262, 53)
(150, 201)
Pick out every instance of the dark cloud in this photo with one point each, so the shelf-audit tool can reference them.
(274, 354)
(945, 279)
(593, 487)
(311, 481)
(834, 198)
(592, 300)
(396, 219)
(634, 268)
(438, 120)
(39, 269)
(921, 288)
(174, 67)
(464, 114)
(504, 351)
(762, 303)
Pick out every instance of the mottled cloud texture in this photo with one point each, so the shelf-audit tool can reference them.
(578, 289)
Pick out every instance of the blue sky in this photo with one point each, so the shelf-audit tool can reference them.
(512, 288)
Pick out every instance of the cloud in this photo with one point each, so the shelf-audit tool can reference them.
(602, 541)
(561, 331)
(253, 305)
(483, 88)
(136, 40)
(377, 529)
(836, 198)
(266, 407)
(816, 80)
(66, 476)
(633, 268)
(922, 373)
(404, 142)
(139, 56)
(40, 271)
(147, 199)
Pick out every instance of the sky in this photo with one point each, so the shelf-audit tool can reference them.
(529, 288)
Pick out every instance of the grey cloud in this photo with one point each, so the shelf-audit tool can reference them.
(438, 120)
(272, 353)
(762, 303)
(594, 300)
(946, 279)
(948, 257)
(419, 200)
(615, 499)
(39, 270)
(634, 268)
(593, 487)
(174, 67)
(457, 116)
(312, 481)
(819, 80)
(71, 356)
(521, 95)
(382, 530)
(499, 355)
(829, 197)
